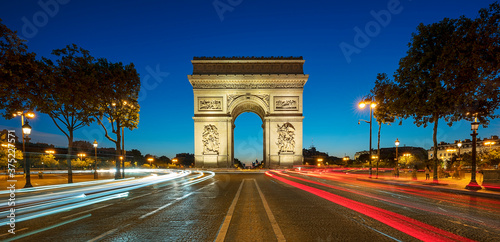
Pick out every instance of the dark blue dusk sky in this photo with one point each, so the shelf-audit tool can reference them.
(161, 37)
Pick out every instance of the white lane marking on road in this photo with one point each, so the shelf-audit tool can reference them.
(86, 211)
(45, 229)
(143, 195)
(274, 224)
(103, 235)
(165, 206)
(107, 233)
(225, 225)
(170, 203)
(148, 214)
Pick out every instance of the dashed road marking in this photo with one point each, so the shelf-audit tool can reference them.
(274, 224)
(225, 225)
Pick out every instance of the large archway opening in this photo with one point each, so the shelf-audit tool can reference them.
(248, 139)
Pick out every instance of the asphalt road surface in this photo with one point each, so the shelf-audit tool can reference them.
(276, 206)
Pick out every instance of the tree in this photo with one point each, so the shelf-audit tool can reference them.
(490, 157)
(383, 113)
(421, 92)
(66, 92)
(451, 70)
(83, 145)
(83, 163)
(18, 67)
(473, 63)
(4, 158)
(137, 156)
(49, 161)
(162, 161)
(117, 101)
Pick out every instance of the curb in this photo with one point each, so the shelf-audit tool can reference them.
(441, 189)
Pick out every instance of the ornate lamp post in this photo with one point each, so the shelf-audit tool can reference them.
(96, 176)
(26, 131)
(473, 183)
(372, 105)
(24, 115)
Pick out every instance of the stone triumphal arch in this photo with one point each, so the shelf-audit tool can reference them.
(225, 87)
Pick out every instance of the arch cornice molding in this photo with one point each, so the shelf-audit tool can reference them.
(248, 81)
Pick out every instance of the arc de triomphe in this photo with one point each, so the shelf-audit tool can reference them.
(225, 87)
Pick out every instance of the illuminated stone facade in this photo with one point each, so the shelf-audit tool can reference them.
(227, 87)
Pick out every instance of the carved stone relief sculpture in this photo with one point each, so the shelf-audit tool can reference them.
(286, 103)
(210, 105)
(210, 139)
(286, 138)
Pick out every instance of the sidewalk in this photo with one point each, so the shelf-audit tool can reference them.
(449, 184)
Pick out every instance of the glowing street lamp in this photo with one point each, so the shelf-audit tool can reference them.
(150, 159)
(81, 155)
(50, 152)
(96, 176)
(123, 165)
(26, 128)
(459, 145)
(490, 143)
(372, 105)
(451, 150)
(26, 131)
(320, 160)
(397, 158)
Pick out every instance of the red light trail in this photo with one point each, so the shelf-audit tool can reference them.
(410, 226)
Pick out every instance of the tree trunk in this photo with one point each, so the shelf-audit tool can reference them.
(68, 157)
(434, 139)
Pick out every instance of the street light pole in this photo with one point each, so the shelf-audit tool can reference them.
(473, 183)
(490, 143)
(26, 115)
(150, 159)
(96, 176)
(26, 131)
(372, 105)
(396, 171)
(123, 151)
(371, 121)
